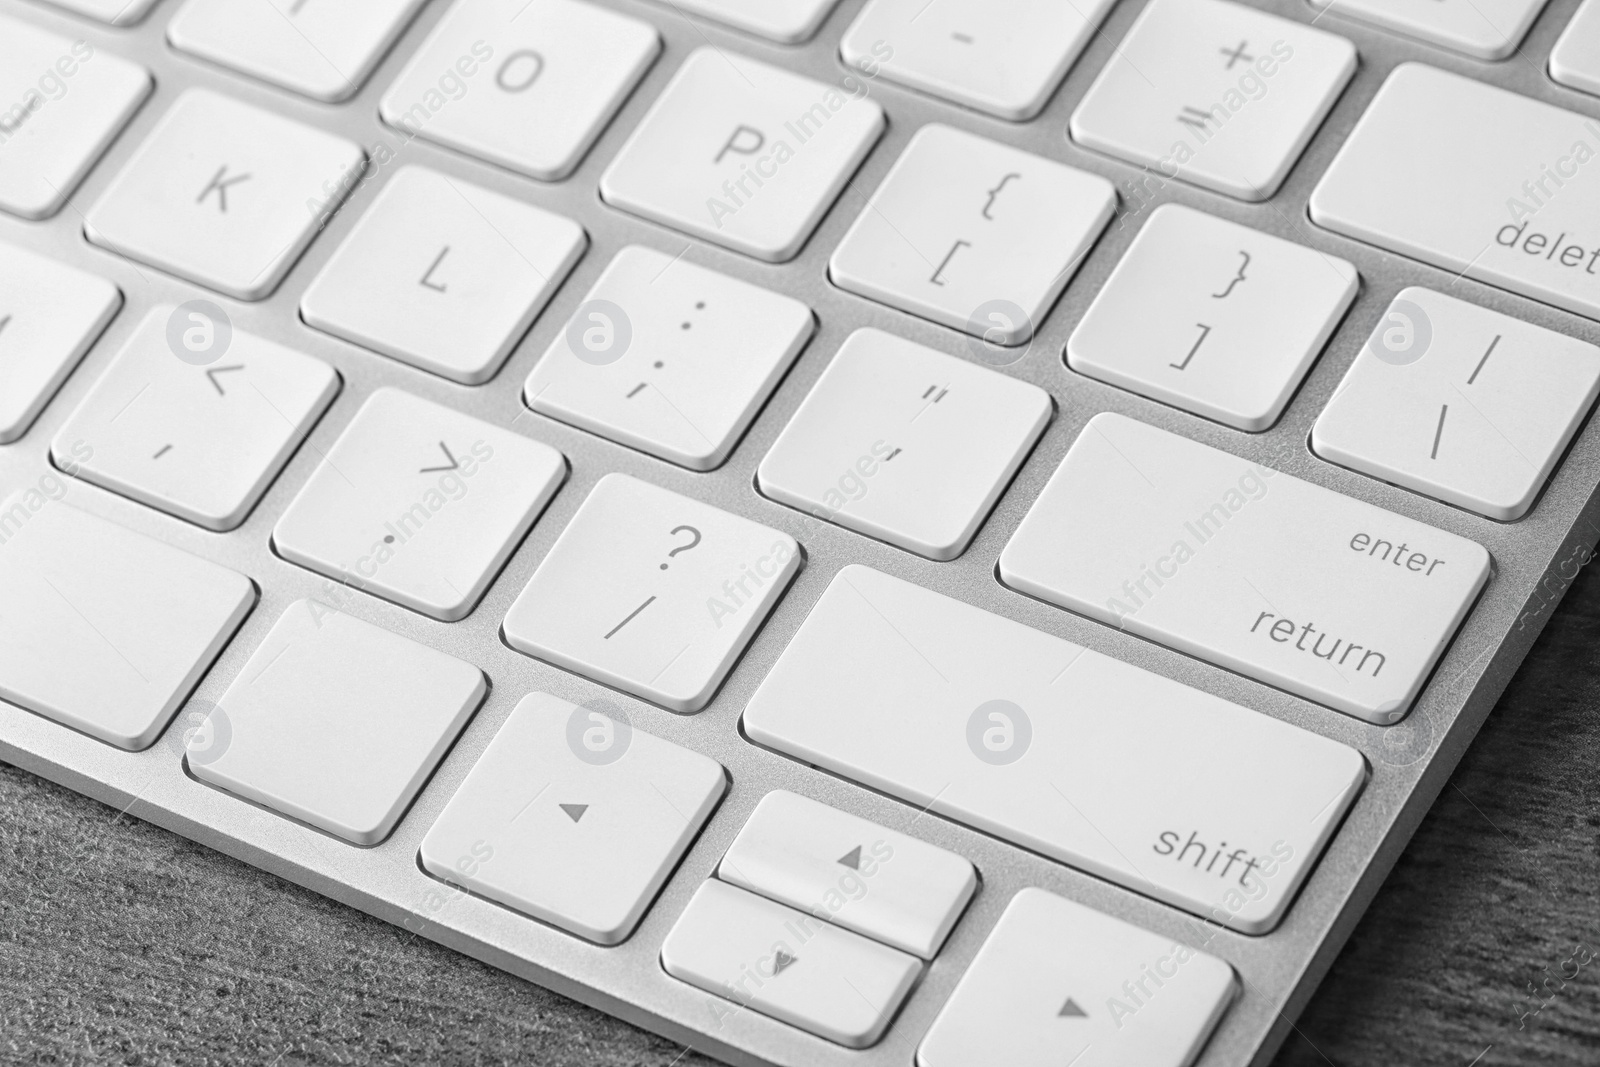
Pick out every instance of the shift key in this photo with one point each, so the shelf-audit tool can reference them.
(1284, 581)
(1130, 776)
(1476, 180)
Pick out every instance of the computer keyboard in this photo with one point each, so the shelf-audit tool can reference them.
(863, 532)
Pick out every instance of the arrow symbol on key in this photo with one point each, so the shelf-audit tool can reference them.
(851, 859)
(782, 959)
(574, 811)
(1070, 1010)
(450, 467)
(214, 371)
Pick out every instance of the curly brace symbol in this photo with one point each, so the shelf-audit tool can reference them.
(1237, 278)
(996, 192)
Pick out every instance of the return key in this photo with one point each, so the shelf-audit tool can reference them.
(1281, 580)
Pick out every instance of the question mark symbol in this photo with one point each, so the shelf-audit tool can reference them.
(683, 548)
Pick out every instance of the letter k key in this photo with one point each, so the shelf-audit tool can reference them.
(220, 183)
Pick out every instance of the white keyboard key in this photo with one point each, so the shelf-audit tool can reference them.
(50, 314)
(1229, 561)
(65, 102)
(103, 629)
(530, 83)
(419, 504)
(1001, 56)
(578, 835)
(1461, 403)
(1484, 29)
(1213, 317)
(201, 441)
(789, 965)
(116, 12)
(973, 234)
(337, 723)
(321, 48)
(905, 444)
(851, 872)
(1059, 983)
(1494, 186)
(1575, 60)
(669, 357)
(743, 154)
(652, 592)
(443, 274)
(1055, 748)
(784, 21)
(1215, 93)
(224, 194)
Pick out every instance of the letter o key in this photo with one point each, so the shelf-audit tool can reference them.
(502, 79)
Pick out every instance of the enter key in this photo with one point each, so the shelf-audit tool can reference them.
(1284, 581)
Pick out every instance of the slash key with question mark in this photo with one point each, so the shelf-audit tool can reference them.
(692, 532)
(695, 535)
(652, 592)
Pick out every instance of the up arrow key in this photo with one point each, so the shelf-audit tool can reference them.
(1070, 1010)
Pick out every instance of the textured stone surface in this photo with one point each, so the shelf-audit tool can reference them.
(121, 943)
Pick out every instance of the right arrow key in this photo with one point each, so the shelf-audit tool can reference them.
(1059, 983)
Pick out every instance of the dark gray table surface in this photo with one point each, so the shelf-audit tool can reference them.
(121, 943)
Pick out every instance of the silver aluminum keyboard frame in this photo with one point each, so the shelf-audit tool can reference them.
(1533, 558)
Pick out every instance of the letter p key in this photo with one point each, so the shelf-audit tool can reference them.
(745, 140)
